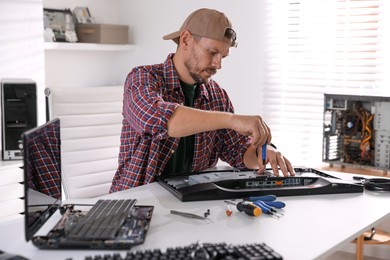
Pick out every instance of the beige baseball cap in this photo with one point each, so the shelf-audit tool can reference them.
(207, 23)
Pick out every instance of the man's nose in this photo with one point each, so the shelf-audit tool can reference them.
(217, 61)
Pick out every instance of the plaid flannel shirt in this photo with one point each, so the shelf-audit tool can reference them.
(151, 95)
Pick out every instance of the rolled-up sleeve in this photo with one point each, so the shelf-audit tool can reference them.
(144, 107)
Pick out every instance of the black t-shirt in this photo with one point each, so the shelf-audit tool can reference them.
(181, 160)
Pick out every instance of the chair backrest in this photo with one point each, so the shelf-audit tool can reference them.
(91, 120)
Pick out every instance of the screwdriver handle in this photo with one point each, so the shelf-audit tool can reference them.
(263, 198)
(249, 209)
(275, 204)
(262, 206)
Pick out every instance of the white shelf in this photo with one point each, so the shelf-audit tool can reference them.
(67, 46)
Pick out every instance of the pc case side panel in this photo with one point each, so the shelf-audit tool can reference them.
(331, 136)
(382, 135)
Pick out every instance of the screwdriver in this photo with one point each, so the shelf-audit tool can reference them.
(247, 208)
(266, 209)
(263, 198)
(275, 204)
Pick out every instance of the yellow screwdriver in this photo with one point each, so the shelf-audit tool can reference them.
(247, 208)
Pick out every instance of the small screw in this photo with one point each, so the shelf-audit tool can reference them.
(228, 210)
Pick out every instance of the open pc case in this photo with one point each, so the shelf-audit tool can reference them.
(356, 131)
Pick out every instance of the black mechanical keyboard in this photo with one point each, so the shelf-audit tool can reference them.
(199, 251)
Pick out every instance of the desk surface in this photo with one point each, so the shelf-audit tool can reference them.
(313, 227)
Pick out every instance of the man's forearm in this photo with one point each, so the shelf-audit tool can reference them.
(187, 121)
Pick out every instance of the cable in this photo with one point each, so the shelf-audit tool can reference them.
(377, 184)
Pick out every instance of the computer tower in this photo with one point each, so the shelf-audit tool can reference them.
(356, 131)
(18, 114)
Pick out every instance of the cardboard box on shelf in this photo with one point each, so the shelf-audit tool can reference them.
(103, 33)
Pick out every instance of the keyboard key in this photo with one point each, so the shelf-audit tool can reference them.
(258, 251)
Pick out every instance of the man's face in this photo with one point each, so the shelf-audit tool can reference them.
(205, 58)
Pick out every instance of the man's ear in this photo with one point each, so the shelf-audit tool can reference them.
(185, 38)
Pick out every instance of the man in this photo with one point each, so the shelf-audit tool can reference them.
(177, 119)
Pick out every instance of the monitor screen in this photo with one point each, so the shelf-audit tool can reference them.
(42, 174)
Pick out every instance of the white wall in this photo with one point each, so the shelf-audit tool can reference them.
(149, 20)
(241, 73)
(21, 51)
(84, 68)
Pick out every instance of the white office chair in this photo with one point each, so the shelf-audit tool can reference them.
(91, 120)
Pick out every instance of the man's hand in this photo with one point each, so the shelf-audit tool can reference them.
(187, 121)
(253, 126)
(277, 161)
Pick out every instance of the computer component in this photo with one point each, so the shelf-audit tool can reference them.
(108, 224)
(232, 184)
(200, 251)
(18, 114)
(356, 131)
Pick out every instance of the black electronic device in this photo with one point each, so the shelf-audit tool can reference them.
(200, 251)
(214, 185)
(18, 114)
(106, 224)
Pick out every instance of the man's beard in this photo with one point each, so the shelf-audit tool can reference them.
(198, 79)
(196, 76)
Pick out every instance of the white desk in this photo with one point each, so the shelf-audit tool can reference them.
(313, 227)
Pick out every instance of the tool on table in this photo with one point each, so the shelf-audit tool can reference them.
(268, 204)
(206, 213)
(275, 204)
(228, 210)
(266, 209)
(270, 200)
(188, 215)
(247, 208)
(263, 198)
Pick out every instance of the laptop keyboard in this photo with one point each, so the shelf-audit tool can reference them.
(103, 220)
(199, 251)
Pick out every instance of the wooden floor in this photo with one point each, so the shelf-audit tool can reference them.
(341, 255)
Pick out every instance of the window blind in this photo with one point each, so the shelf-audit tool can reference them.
(314, 47)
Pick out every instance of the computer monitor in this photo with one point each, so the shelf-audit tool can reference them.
(42, 174)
